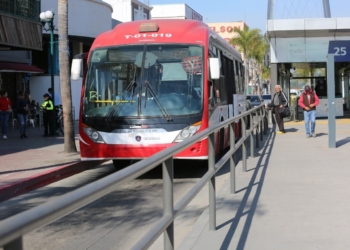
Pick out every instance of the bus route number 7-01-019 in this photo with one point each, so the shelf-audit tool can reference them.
(153, 35)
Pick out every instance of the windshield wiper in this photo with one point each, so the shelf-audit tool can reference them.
(159, 104)
(131, 86)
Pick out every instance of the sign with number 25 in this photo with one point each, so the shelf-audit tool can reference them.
(340, 49)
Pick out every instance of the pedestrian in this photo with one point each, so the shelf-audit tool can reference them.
(308, 101)
(27, 97)
(5, 111)
(34, 111)
(55, 98)
(22, 114)
(278, 101)
(48, 111)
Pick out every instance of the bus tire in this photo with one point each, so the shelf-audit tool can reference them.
(120, 164)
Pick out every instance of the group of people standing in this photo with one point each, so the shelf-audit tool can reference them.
(24, 107)
(308, 101)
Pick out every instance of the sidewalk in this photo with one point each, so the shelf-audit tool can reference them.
(293, 196)
(27, 164)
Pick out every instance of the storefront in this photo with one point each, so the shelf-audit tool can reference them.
(299, 51)
(15, 77)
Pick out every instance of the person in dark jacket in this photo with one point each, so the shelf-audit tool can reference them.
(22, 114)
(278, 101)
(308, 101)
(48, 115)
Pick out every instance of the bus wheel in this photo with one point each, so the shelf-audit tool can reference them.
(120, 164)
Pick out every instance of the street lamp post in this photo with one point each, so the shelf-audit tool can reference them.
(46, 17)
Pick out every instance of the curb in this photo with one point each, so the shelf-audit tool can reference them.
(39, 180)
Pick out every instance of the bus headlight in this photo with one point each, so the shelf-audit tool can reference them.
(185, 133)
(93, 134)
(192, 130)
(89, 131)
(188, 132)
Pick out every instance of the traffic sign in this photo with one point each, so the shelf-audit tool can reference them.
(340, 49)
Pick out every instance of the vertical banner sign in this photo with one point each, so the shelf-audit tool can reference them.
(340, 50)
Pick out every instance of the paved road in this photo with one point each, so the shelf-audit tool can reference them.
(118, 220)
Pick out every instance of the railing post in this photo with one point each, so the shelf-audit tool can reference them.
(260, 125)
(232, 158)
(265, 121)
(251, 129)
(168, 201)
(257, 133)
(212, 195)
(14, 245)
(244, 145)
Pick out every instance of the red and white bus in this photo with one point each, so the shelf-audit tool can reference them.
(153, 83)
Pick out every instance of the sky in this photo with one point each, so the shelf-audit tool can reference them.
(254, 12)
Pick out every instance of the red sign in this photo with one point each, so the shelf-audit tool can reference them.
(224, 29)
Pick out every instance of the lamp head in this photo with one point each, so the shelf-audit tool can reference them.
(49, 14)
(42, 16)
(46, 16)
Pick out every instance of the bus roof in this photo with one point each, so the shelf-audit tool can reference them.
(169, 31)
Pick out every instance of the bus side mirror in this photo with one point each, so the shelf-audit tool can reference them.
(214, 65)
(76, 69)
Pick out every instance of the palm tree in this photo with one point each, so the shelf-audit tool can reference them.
(246, 41)
(69, 141)
(258, 52)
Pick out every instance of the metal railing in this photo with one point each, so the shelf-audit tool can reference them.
(12, 229)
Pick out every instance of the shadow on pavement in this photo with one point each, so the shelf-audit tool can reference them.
(291, 130)
(14, 144)
(262, 164)
(343, 142)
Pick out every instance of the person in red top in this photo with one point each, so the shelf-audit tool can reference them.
(308, 101)
(5, 110)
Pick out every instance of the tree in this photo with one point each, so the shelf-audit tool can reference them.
(266, 72)
(69, 140)
(258, 52)
(247, 42)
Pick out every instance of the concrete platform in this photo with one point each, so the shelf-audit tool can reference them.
(293, 196)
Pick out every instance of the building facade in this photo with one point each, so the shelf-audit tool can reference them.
(225, 30)
(20, 34)
(299, 49)
(86, 20)
(129, 10)
(175, 11)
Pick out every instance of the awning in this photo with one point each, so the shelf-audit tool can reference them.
(19, 68)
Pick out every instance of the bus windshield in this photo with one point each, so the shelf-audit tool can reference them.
(144, 81)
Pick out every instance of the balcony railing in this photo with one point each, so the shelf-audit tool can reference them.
(28, 9)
